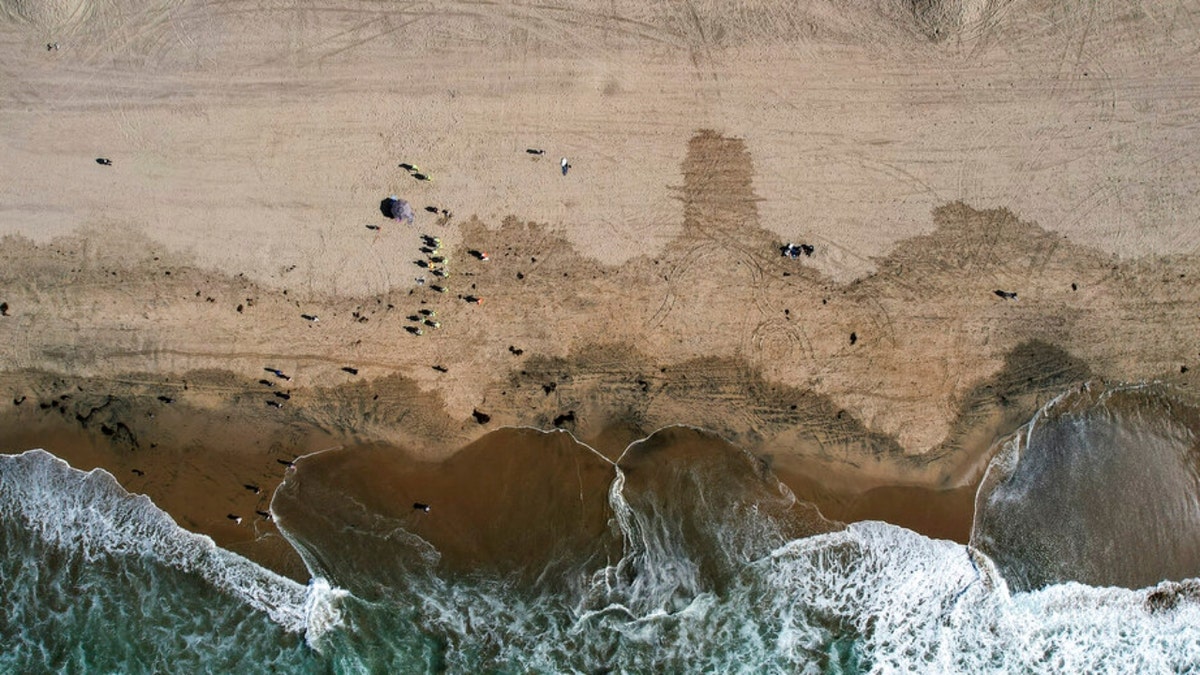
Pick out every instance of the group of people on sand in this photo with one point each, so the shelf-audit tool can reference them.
(435, 262)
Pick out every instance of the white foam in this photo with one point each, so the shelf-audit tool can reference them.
(924, 605)
(904, 602)
(92, 514)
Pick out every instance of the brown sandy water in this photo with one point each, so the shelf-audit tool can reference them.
(935, 513)
(517, 500)
(1102, 487)
(508, 501)
(539, 507)
(198, 463)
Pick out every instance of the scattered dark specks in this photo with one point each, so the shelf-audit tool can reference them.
(515, 351)
(853, 338)
(549, 387)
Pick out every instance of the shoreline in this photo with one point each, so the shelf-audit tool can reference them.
(199, 470)
(193, 203)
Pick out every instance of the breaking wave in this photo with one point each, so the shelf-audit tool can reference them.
(538, 554)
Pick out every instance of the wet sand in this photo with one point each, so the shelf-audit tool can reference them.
(198, 464)
(960, 276)
(533, 507)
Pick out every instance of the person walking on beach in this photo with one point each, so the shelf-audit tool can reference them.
(565, 165)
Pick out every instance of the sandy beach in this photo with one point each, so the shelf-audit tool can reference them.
(1000, 198)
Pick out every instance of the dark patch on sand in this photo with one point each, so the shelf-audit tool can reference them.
(714, 330)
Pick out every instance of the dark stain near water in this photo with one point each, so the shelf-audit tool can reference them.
(596, 380)
(1034, 372)
(1052, 333)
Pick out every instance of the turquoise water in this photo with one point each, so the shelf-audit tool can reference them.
(98, 580)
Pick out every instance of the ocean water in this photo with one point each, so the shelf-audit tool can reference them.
(685, 555)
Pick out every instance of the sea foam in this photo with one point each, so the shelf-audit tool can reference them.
(89, 513)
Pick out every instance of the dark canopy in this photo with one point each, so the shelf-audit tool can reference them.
(400, 209)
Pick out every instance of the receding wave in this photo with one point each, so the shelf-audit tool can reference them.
(1101, 487)
(95, 578)
(537, 554)
(694, 559)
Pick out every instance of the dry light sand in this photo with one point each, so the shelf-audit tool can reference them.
(931, 152)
